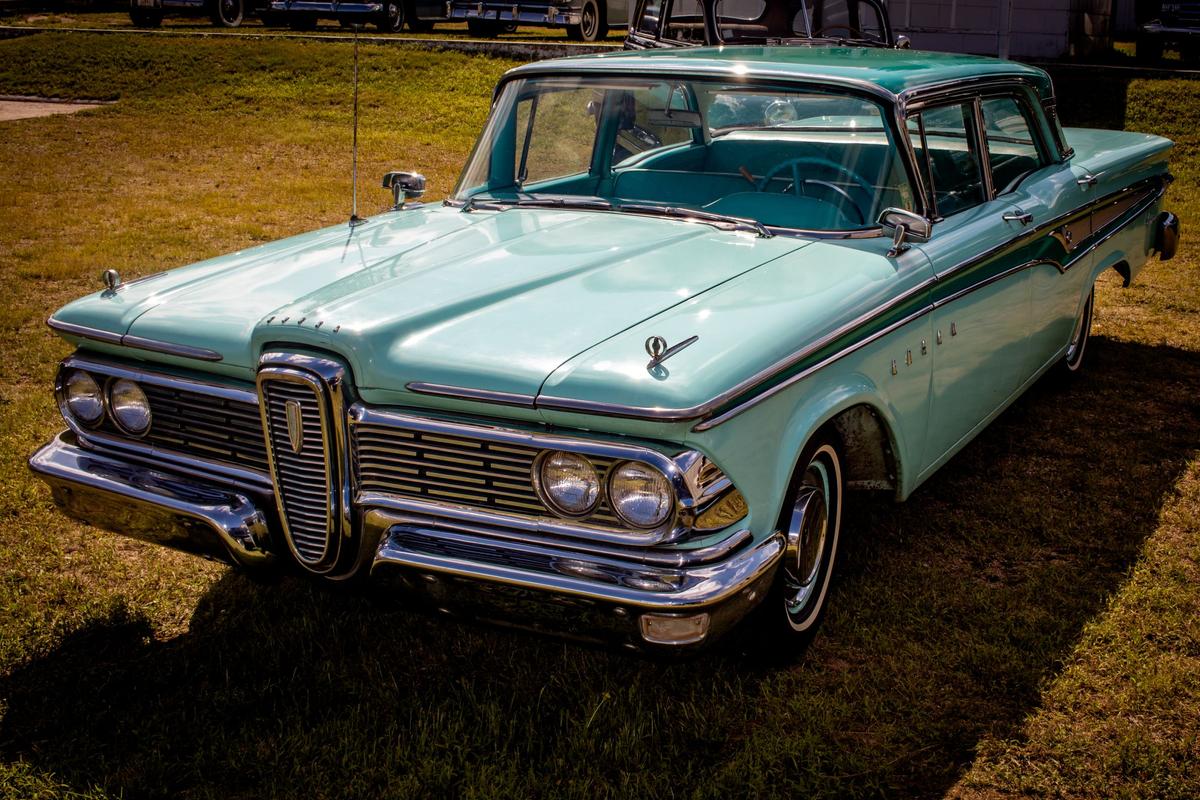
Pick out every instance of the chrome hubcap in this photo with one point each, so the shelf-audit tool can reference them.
(589, 20)
(805, 546)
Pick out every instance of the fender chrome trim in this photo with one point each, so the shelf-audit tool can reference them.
(135, 342)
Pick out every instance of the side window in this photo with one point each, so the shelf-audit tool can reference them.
(685, 22)
(743, 18)
(844, 18)
(556, 132)
(1012, 150)
(651, 16)
(951, 156)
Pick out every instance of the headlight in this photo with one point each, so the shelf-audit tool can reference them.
(640, 494)
(129, 407)
(84, 399)
(568, 483)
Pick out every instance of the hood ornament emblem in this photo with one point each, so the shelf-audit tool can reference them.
(656, 348)
(295, 426)
(111, 279)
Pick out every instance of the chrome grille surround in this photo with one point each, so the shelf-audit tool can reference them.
(311, 488)
(483, 473)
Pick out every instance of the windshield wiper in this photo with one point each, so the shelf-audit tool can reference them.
(476, 203)
(722, 221)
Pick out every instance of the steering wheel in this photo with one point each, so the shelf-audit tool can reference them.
(798, 181)
(855, 33)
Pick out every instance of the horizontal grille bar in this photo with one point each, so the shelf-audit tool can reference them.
(205, 426)
(456, 469)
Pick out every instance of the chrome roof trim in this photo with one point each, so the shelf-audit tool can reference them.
(136, 342)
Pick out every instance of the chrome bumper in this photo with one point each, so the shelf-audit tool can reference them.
(154, 505)
(588, 591)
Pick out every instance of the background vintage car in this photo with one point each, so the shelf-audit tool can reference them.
(404, 392)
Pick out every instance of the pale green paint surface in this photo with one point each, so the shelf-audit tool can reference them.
(560, 303)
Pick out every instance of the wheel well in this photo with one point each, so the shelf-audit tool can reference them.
(1122, 269)
(869, 461)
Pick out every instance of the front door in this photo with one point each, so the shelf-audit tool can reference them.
(980, 249)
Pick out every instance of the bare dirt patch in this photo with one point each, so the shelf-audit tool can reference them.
(11, 109)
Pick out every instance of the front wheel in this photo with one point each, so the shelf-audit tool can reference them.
(788, 618)
(593, 24)
(227, 13)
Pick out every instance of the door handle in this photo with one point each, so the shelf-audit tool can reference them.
(1088, 179)
(1018, 216)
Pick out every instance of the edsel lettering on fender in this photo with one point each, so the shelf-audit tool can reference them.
(622, 383)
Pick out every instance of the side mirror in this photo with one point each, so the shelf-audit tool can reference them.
(904, 225)
(903, 42)
(405, 186)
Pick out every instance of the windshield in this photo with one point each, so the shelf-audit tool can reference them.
(779, 157)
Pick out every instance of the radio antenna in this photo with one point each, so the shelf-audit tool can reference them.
(354, 218)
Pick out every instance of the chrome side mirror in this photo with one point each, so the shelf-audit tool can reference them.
(405, 186)
(904, 225)
(903, 42)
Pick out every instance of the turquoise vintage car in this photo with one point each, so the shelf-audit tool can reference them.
(621, 383)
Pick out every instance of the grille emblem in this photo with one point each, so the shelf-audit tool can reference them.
(294, 427)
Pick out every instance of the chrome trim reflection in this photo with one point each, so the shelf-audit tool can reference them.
(136, 342)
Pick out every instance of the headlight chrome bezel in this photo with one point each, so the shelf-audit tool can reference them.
(668, 491)
(544, 493)
(68, 410)
(115, 413)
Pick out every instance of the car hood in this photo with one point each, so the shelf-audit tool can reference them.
(482, 300)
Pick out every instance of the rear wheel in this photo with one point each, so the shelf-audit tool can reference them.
(227, 13)
(787, 620)
(593, 23)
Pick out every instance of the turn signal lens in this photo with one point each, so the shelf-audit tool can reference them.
(84, 400)
(129, 407)
(568, 483)
(640, 494)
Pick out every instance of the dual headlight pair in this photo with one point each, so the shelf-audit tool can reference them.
(637, 492)
(125, 401)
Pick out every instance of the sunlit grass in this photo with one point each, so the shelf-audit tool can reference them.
(1025, 624)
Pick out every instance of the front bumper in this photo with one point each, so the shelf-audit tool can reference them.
(619, 595)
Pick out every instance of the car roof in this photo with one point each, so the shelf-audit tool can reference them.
(886, 71)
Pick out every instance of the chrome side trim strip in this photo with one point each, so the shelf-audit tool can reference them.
(465, 393)
(136, 342)
(659, 414)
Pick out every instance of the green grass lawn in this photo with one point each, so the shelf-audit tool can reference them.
(1028, 624)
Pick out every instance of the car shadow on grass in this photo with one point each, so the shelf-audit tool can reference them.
(953, 611)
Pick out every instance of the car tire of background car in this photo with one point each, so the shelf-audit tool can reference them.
(1149, 49)
(391, 19)
(145, 17)
(1073, 361)
(302, 22)
(786, 621)
(483, 28)
(227, 13)
(593, 22)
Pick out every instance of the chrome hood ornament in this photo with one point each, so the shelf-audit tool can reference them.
(656, 348)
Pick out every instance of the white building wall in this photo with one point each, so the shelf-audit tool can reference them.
(1023, 29)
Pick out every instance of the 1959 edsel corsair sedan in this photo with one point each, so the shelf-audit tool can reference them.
(621, 382)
